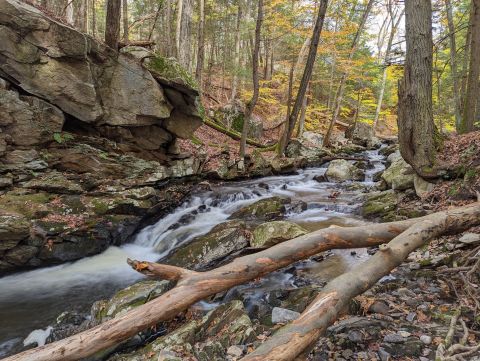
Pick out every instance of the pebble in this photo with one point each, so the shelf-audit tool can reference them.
(394, 338)
(426, 339)
(470, 238)
(404, 333)
(411, 316)
(235, 351)
(384, 355)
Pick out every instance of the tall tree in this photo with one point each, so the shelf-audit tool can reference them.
(395, 18)
(453, 64)
(183, 32)
(125, 20)
(416, 130)
(201, 43)
(256, 86)
(112, 23)
(236, 62)
(471, 96)
(307, 73)
(341, 87)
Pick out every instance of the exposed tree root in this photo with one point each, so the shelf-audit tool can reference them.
(194, 286)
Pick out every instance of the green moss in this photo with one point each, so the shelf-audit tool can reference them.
(170, 69)
(99, 207)
(237, 122)
(25, 204)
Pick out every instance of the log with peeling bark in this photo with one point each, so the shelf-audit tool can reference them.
(297, 337)
(194, 286)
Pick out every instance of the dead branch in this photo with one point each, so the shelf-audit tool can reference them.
(195, 286)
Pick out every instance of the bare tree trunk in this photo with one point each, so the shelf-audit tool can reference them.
(201, 44)
(193, 286)
(471, 97)
(94, 20)
(256, 85)
(125, 20)
(416, 129)
(69, 13)
(179, 27)
(303, 112)
(307, 73)
(236, 62)
(343, 79)
(168, 28)
(112, 23)
(395, 22)
(300, 335)
(283, 134)
(453, 64)
(466, 59)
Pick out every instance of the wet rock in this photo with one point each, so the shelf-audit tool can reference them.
(207, 250)
(286, 165)
(264, 209)
(271, 233)
(282, 315)
(340, 170)
(20, 254)
(297, 149)
(320, 178)
(399, 175)
(131, 297)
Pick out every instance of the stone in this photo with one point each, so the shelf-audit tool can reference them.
(340, 170)
(209, 249)
(422, 187)
(316, 139)
(6, 181)
(399, 175)
(264, 209)
(380, 204)
(21, 156)
(426, 339)
(54, 182)
(20, 255)
(384, 355)
(282, 315)
(394, 338)
(470, 238)
(13, 229)
(235, 351)
(362, 134)
(271, 233)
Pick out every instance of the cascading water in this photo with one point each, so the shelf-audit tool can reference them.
(33, 299)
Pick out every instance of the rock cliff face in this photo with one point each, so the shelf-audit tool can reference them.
(87, 134)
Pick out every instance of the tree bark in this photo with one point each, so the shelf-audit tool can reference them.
(307, 73)
(112, 23)
(201, 44)
(195, 286)
(236, 62)
(297, 337)
(453, 65)
(416, 130)
(256, 85)
(471, 96)
(125, 20)
(343, 79)
(94, 20)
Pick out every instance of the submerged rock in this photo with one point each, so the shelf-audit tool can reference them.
(340, 170)
(207, 250)
(271, 233)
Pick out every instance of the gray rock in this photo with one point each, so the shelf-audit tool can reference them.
(394, 338)
(340, 170)
(400, 175)
(270, 233)
(282, 315)
(426, 339)
(470, 238)
(422, 187)
(235, 351)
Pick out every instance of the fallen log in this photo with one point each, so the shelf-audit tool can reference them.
(297, 337)
(194, 286)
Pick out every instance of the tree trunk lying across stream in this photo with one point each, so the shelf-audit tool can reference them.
(293, 339)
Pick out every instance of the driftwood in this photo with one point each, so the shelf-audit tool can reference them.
(194, 286)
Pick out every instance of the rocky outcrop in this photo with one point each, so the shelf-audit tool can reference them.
(264, 209)
(87, 139)
(270, 233)
(340, 170)
(363, 134)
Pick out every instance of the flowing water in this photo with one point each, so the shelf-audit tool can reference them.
(32, 300)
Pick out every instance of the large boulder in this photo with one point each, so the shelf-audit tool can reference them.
(89, 81)
(362, 134)
(399, 175)
(264, 209)
(313, 138)
(207, 250)
(340, 170)
(232, 116)
(380, 205)
(270, 233)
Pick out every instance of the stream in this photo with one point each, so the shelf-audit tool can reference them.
(32, 300)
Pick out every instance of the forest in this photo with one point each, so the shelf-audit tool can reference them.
(239, 180)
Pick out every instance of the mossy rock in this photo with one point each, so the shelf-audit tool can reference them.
(170, 70)
(29, 205)
(272, 233)
(13, 229)
(264, 209)
(130, 297)
(380, 205)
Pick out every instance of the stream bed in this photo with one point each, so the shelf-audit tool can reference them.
(32, 300)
